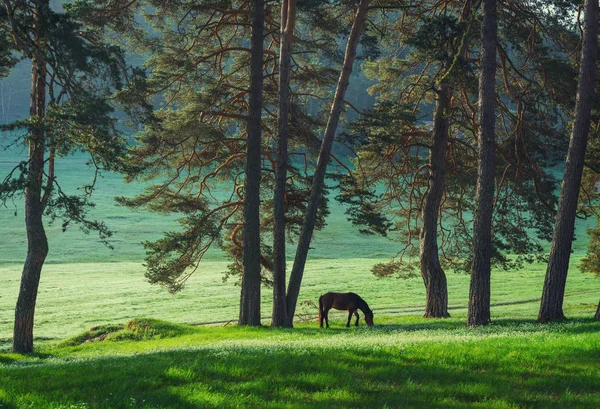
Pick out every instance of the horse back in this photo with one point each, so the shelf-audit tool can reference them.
(341, 301)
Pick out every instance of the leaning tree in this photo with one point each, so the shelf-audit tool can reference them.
(564, 228)
(193, 147)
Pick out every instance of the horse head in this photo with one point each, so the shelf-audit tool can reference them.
(369, 318)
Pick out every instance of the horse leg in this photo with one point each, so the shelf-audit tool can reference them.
(350, 312)
(326, 317)
(356, 313)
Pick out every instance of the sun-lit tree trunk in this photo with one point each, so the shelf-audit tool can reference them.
(288, 21)
(37, 243)
(319, 177)
(250, 296)
(436, 288)
(558, 264)
(479, 295)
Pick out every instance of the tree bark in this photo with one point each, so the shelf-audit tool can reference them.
(250, 296)
(319, 176)
(37, 243)
(436, 288)
(560, 252)
(288, 21)
(479, 294)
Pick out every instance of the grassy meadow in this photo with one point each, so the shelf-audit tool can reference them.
(403, 362)
(150, 349)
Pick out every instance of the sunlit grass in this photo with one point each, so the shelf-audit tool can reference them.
(94, 294)
(77, 297)
(406, 363)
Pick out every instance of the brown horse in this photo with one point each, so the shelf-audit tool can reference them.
(343, 301)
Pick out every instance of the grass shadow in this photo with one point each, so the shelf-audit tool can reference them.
(272, 376)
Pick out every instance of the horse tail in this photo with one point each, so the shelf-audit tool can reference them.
(320, 311)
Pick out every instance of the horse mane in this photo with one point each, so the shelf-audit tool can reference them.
(362, 304)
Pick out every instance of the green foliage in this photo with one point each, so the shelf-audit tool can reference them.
(194, 143)
(84, 70)
(390, 176)
(362, 209)
(399, 269)
(591, 262)
(170, 258)
(7, 56)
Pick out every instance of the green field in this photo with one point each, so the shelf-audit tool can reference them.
(401, 363)
(404, 361)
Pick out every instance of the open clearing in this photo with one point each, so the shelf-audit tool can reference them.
(404, 361)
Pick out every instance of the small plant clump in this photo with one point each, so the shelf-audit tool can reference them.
(137, 329)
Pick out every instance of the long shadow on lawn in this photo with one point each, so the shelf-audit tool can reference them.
(270, 376)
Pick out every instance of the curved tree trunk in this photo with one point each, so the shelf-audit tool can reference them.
(250, 296)
(560, 252)
(37, 243)
(319, 176)
(288, 21)
(433, 275)
(479, 294)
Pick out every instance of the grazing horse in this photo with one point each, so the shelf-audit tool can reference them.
(343, 301)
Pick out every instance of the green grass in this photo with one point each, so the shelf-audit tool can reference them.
(76, 297)
(406, 362)
(94, 351)
(338, 240)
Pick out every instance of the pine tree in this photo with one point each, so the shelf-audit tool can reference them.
(479, 295)
(558, 265)
(250, 297)
(310, 215)
(394, 139)
(287, 25)
(195, 141)
(74, 72)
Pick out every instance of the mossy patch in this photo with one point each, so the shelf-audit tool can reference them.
(137, 329)
(95, 334)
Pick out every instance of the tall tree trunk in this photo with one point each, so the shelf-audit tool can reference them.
(288, 21)
(319, 176)
(37, 243)
(560, 252)
(250, 296)
(479, 295)
(434, 278)
(436, 288)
